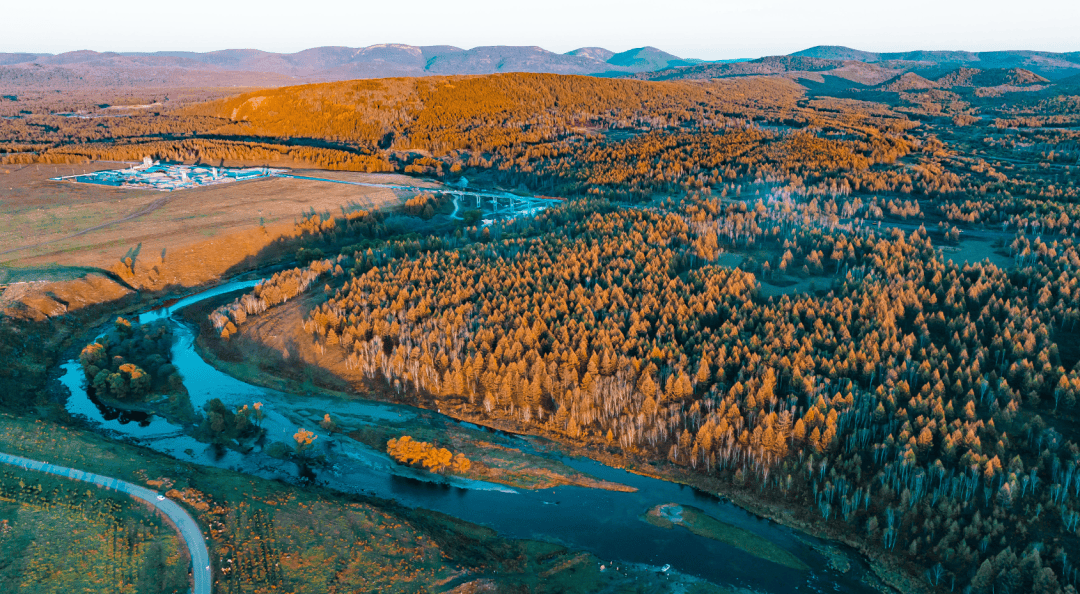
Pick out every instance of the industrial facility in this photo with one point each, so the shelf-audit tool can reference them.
(152, 175)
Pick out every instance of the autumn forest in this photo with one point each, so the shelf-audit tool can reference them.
(856, 311)
(920, 405)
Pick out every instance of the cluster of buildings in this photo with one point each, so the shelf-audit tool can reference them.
(152, 175)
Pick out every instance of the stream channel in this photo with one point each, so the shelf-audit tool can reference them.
(605, 523)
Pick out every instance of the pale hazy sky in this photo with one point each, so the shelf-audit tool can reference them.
(690, 28)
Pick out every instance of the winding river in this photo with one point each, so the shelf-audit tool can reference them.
(605, 523)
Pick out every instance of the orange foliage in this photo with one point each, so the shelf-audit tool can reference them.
(408, 451)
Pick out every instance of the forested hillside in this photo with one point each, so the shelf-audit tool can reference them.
(442, 114)
(920, 406)
(923, 405)
(624, 139)
(839, 288)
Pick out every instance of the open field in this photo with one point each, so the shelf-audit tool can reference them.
(59, 536)
(40, 216)
(76, 236)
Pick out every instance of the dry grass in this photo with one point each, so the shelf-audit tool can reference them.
(36, 210)
(184, 239)
(38, 301)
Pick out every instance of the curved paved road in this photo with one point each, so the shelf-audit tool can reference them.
(189, 530)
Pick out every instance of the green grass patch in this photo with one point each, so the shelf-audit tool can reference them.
(669, 515)
(491, 462)
(59, 535)
(267, 536)
(47, 272)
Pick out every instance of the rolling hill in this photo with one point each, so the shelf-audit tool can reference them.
(646, 59)
(1049, 65)
(760, 66)
(250, 67)
(973, 77)
(837, 69)
(908, 81)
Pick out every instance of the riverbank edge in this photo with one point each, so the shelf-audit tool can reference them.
(294, 387)
(698, 521)
(86, 327)
(889, 571)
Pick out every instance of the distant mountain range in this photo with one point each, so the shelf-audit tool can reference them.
(245, 67)
(843, 66)
(831, 66)
(1030, 60)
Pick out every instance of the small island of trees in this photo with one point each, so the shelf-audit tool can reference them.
(406, 450)
(131, 365)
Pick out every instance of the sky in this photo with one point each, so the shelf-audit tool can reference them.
(705, 29)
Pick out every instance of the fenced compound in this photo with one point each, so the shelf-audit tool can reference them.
(167, 178)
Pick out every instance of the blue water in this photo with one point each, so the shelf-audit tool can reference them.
(605, 523)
